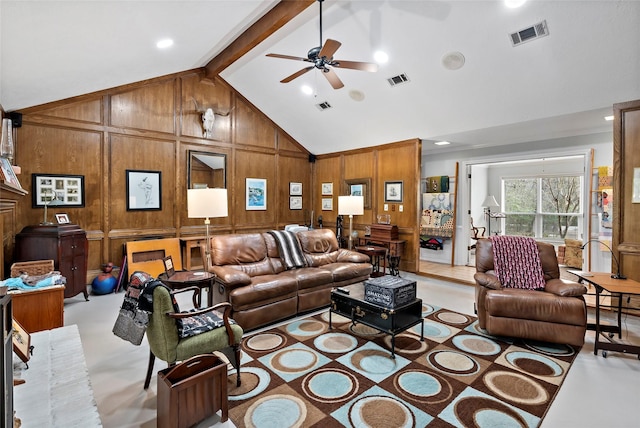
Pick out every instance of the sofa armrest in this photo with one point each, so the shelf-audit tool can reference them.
(487, 280)
(351, 256)
(564, 288)
(230, 277)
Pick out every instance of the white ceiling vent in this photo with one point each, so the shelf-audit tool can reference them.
(323, 105)
(530, 33)
(396, 80)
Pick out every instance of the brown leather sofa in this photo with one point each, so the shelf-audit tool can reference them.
(252, 277)
(557, 314)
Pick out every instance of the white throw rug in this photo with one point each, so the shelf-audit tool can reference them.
(57, 391)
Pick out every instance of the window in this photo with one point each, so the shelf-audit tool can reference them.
(548, 207)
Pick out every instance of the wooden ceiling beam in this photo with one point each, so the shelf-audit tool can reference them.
(270, 22)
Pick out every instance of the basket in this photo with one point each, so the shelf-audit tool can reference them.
(37, 267)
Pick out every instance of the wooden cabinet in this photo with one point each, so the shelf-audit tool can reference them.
(39, 309)
(65, 244)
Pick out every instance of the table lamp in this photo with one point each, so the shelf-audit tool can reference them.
(489, 202)
(207, 203)
(49, 202)
(350, 205)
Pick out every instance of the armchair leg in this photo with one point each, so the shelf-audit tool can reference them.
(236, 350)
(152, 359)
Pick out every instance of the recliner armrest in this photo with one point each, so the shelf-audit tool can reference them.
(230, 277)
(564, 288)
(351, 256)
(487, 280)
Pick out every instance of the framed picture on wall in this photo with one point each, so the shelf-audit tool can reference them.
(393, 191)
(144, 190)
(327, 189)
(57, 190)
(295, 189)
(256, 194)
(359, 187)
(327, 204)
(295, 202)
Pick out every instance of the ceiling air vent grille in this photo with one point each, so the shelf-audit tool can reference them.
(323, 105)
(530, 33)
(397, 80)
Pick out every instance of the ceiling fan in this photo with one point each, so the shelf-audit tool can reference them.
(322, 58)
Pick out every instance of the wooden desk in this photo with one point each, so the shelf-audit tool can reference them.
(39, 309)
(395, 247)
(603, 282)
(188, 244)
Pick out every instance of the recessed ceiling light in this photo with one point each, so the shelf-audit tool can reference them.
(164, 43)
(514, 3)
(442, 143)
(356, 95)
(306, 89)
(608, 118)
(381, 57)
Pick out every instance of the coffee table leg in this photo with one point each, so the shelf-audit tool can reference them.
(330, 327)
(422, 331)
(393, 346)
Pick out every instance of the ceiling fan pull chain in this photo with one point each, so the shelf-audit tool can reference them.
(320, 1)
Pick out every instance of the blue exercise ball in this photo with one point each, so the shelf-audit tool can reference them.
(103, 284)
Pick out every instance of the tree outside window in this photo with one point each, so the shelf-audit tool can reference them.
(543, 207)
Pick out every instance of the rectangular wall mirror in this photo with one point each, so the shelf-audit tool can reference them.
(206, 170)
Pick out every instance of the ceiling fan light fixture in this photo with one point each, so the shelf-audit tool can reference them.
(306, 89)
(164, 43)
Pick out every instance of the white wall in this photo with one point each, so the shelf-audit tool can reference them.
(444, 164)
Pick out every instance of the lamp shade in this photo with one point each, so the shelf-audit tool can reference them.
(207, 203)
(490, 201)
(350, 205)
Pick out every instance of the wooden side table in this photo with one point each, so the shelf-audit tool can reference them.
(396, 249)
(375, 253)
(188, 244)
(188, 278)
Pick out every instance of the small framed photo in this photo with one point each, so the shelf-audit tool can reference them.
(169, 268)
(144, 190)
(327, 189)
(327, 204)
(21, 342)
(256, 194)
(393, 191)
(295, 189)
(57, 190)
(8, 174)
(62, 218)
(295, 202)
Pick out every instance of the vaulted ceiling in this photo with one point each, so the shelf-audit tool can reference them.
(553, 86)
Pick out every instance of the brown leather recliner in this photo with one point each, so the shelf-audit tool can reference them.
(557, 314)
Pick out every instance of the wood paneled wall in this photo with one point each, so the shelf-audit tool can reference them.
(152, 125)
(626, 158)
(392, 162)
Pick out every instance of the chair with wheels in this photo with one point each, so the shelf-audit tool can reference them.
(175, 336)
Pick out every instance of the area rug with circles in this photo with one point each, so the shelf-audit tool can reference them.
(304, 374)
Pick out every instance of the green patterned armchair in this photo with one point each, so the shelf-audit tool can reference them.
(166, 343)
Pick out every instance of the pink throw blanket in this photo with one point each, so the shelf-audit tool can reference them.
(516, 260)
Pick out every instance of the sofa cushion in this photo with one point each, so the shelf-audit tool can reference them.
(346, 271)
(238, 249)
(310, 277)
(263, 290)
(320, 246)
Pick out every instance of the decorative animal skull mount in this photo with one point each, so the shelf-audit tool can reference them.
(208, 118)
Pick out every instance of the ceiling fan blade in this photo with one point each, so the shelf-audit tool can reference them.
(355, 65)
(333, 79)
(295, 58)
(296, 74)
(329, 48)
